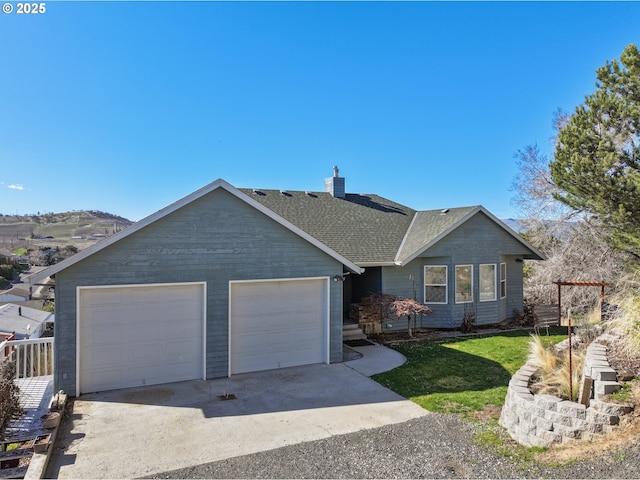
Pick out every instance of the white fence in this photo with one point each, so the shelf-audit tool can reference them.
(33, 357)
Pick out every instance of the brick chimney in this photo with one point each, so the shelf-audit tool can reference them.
(335, 185)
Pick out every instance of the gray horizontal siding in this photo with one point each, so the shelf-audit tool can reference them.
(478, 241)
(215, 239)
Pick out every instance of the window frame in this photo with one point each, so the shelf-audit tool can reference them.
(494, 283)
(470, 266)
(445, 285)
(503, 280)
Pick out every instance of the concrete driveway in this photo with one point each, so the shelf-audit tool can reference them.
(149, 430)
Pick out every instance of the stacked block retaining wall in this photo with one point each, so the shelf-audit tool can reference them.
(541, 420)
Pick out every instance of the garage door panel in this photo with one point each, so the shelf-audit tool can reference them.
(146, 335)
(102, 315)
(106, 296)
(103, 357)
(104, 379)
(277, 324)
(104, 334)
(247, 341)
(181, 351)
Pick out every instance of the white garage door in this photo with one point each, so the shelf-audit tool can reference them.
(140, 335)
(275, 324)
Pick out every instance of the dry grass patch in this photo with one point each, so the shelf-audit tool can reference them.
(554, 377)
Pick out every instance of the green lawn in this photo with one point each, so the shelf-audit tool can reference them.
(462, 375)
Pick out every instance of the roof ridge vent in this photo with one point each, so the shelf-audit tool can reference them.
(444, 211)
(284, 193)
(259, 192)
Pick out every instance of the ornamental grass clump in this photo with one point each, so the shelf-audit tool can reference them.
(625, 320)
(552, 376)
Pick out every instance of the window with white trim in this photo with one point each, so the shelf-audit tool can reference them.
(435, 284)
(464, 283)
(487, 276)
(503, 280)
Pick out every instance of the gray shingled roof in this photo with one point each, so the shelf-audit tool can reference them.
(428, 226)
(364, 228)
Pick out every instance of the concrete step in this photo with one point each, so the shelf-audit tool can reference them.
(352, 331)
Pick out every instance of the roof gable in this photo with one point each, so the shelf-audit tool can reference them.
(428, 227)
(431, 226)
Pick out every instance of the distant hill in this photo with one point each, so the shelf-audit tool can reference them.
(39, 238)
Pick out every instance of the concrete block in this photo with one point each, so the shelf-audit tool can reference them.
(597, 356)
(527, 397)
(546, 402)
(520, 379)
(521, 390)
(596, 348)
(557, 418)
(589, 367)
(508, 417)
(610, 408)
(523, 414)
(524, 429)
(604, 374)
(602, 418)
(567, 432)
(527, 369)
(585, 426)
(542, 423)
(548, 437)
(605, 388)
(572, 409)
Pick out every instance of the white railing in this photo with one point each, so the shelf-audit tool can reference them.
(33, 357)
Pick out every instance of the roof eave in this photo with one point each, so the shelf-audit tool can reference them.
(378, 264)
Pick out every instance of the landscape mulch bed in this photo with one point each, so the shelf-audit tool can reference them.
(391, 337)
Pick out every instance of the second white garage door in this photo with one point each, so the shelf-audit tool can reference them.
(130, 336)
(279, 323)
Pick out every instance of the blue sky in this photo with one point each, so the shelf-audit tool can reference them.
(126, 107)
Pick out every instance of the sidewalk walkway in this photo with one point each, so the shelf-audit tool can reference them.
(375, 359)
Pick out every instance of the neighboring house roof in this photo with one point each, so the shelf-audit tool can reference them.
(218, 184)
(29, 323)
(32, 269)
(15, 293)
